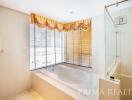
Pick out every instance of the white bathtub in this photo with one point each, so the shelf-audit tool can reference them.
(83, 81)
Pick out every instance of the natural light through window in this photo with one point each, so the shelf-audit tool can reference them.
(46, 47)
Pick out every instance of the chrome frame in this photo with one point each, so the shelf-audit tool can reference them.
(106, 9)
(115, 4)
(110, 5)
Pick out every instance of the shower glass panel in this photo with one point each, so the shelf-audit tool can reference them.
(118, 45)
(117, 40)
(110, 42)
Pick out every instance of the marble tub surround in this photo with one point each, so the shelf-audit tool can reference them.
(81, 86)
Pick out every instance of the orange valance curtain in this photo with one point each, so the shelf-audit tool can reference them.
(42, 21)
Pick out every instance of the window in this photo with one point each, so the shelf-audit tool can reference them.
(49, 47)
(46, 47)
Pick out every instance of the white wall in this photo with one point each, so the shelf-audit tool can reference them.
(98, 45)
(14, 55)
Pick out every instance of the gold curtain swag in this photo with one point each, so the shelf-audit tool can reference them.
(42, 22)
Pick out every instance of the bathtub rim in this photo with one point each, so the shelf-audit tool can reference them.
(62, 87)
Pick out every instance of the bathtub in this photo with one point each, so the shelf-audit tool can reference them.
(81, 80)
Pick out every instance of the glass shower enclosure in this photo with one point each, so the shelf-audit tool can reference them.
(117, 20)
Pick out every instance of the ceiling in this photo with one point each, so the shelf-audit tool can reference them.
(60, 10)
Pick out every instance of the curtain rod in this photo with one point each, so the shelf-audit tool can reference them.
(118, 2)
